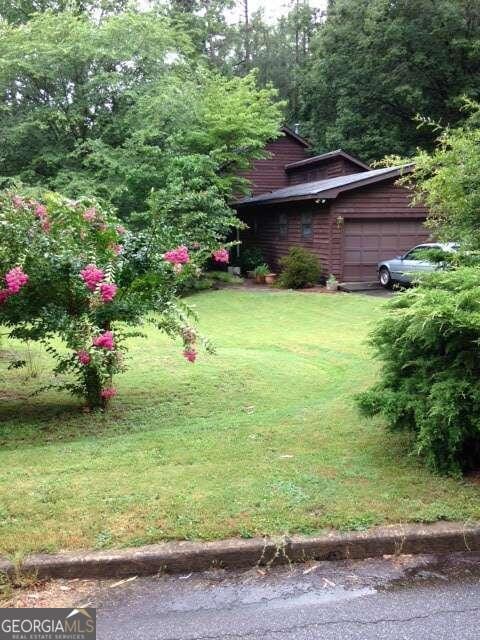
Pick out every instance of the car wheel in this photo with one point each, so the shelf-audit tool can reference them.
(385, 278)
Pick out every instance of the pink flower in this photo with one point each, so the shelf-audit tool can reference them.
(91, 275)
(190, 355)
(16, 279)
(107, 291)
(177, 256)
(4, 295)
(18, 202)
(121, 230)
(40, 211)
(108, 393)
(84, 357)
(103, 227)
(117, 249)
(221, 255)
(46, 225)
(105, 341)
(90, 214)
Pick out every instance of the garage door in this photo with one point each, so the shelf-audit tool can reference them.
(368, 242)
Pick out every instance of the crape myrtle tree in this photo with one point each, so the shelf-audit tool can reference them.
(65, 274)
(429, 340)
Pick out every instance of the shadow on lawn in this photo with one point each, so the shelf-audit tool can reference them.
(25, 422)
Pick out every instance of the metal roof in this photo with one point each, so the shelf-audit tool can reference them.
(328, 189)
(291, 166)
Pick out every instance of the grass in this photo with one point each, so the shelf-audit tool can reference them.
(262, 438)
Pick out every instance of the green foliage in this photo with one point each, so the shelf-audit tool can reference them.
(208, 280)
(120, 108)
(279, 50)
(250, 257)
(447, 181)
(429, 345)
(261, 270)
(55, 245)
(299, 269)
(410, 58)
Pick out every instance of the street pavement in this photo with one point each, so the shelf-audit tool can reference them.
(401, 598)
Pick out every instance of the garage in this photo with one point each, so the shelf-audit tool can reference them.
(350, 221)
(366, 242)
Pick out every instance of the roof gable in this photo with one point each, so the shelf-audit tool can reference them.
(325, 157)
(295, 136)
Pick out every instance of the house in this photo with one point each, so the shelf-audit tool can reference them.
(334, 205)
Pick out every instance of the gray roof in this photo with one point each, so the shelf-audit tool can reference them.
(327, 189)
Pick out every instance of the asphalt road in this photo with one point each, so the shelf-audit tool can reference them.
(403, 598)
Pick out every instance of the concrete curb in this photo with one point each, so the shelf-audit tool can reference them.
(180, 557)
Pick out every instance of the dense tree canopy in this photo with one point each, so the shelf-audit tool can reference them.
(376, 64)
(108, 108)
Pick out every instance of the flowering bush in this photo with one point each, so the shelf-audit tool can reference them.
(64, 273)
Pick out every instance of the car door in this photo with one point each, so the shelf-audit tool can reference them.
(413, 263)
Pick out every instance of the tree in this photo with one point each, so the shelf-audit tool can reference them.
(447, 181)
(65, 82)
(279, 51)
(69, 271)
(106, 108)
(376, 64)
(20, 11)
(207, 27)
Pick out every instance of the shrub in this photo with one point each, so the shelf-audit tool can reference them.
(429, 344)
(250, 258)
(299, 269)
(67, 272)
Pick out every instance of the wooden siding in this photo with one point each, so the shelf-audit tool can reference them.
(264, 231)
(389, 225)
(385, 221)
(269, 174)
(330, 168)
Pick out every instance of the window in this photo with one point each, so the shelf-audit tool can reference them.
(282, 225)
(307, 230)
(418, 253)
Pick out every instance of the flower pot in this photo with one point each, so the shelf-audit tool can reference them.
(271, 278)
(260, 279)
(332, 286)
(234, 271)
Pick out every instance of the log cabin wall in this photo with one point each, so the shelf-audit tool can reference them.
(269, 174)
(349, 234)
(371, 224)
(322, 171)
(265, 231)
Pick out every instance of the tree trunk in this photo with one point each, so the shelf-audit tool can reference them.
(93, 386)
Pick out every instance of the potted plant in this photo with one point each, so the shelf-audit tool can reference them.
(260, 273)
(332, 283)
(270, 278)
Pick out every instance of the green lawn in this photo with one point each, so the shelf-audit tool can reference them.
(262, 438)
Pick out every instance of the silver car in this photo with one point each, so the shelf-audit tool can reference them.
(404, 269)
